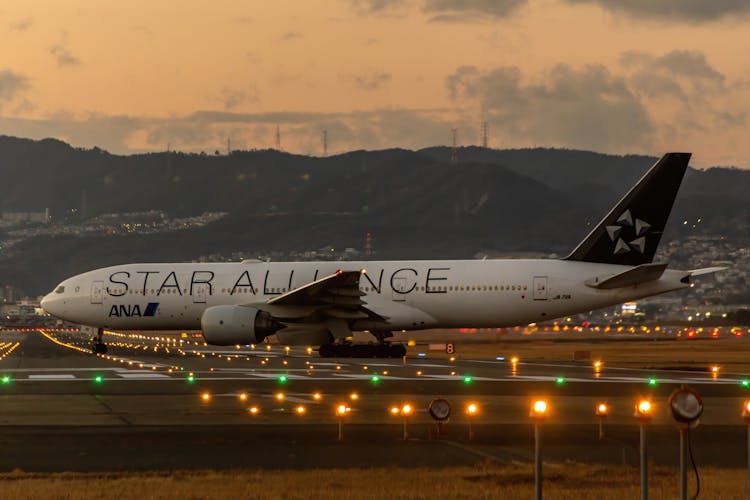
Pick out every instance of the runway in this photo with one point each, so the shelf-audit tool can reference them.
(174, 403)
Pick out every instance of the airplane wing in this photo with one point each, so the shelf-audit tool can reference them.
(333, 297)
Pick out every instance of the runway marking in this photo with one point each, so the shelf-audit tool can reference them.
(143, 375)
(51, 376)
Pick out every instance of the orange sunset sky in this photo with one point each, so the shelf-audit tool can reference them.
(627, 76)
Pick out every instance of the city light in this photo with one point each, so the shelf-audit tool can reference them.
(746, 411)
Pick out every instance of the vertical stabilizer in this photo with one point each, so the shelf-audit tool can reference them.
(630, 233)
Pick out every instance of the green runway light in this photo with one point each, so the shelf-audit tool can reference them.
(745, 383)
(652, 381)
(191, 379)
(560, 381)
(468, 380)
(283, 379)
(6, 379)
(98, 379)
(374, 379)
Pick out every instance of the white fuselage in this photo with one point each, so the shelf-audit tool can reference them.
(410, 295)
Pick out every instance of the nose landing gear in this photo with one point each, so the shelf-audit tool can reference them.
(97, 344)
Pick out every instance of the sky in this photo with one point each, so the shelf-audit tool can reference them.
(614, 76)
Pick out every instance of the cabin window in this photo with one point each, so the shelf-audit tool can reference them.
(60, 289)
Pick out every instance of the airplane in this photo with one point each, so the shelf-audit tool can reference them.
(323, 303)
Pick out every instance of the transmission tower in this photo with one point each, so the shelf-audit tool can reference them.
(454, 149)
(325, 143)
(485, 133)
(278, 139)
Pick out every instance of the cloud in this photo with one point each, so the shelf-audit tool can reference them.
(232, 98)
(442, 10)
(290, 35)
(63, 56)
(471, 10)
(208, 130)
(692, 11)
(588, 108)
(684, 74)
(377, 6)
(11, 84)
(21, 25)
(371, 81)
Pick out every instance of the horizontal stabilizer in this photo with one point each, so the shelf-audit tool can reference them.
(634, 276)
(706, 270)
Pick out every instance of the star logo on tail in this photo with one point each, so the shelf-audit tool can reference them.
(628, 228)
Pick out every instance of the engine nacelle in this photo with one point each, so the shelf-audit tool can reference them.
(232, 325)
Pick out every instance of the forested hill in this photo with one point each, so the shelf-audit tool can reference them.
(418, 204)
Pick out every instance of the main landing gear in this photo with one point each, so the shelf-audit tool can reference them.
(97, 344)
(349, 350)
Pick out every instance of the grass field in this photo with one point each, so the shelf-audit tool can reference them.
(731, 353)
(563, 481)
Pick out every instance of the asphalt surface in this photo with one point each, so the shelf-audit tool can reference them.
(171, 403)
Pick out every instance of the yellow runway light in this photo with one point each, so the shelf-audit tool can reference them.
(254, 410)
(539, 409)
(354, 396)
(242, 396)
(279, 396)
(342, 410)
(206, 397)
(317, 396)
(472, 409)
(602, 410)
(300, 409)
(395, 410)
(643, 410)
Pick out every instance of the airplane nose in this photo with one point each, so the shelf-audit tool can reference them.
(48, 304)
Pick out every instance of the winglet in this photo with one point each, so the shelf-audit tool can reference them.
(631, 231)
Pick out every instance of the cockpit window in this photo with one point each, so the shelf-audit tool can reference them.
(60, 289)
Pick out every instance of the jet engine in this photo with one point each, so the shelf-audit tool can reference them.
(232, 325)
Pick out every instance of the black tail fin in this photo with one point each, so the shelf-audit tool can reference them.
(630, 233)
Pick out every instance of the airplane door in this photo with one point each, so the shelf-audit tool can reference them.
(200, 291)
(97, 292)
(399, 285)
(540, 287)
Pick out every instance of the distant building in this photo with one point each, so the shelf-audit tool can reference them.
(17, 218)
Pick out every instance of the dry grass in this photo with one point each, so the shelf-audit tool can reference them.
(563, 481)
(732, 354)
